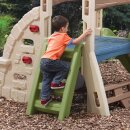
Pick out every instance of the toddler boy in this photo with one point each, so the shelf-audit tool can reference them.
(55, 70)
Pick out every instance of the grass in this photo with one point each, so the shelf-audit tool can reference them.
(6, 22)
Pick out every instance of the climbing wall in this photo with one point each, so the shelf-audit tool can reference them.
(20, 57)
(22, 52)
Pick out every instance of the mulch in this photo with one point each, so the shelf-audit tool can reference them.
(13, 115)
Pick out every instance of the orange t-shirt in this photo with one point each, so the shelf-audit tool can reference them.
(56, 45)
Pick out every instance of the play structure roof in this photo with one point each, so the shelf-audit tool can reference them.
(108, 3)
(99, 3)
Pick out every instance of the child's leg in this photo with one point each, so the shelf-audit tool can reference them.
(47, 78)
(46, 90)
(62, 68)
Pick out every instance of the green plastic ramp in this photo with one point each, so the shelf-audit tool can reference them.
(61, 108)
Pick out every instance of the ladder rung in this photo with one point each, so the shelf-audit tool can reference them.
(115, 86)
(58, 92)
(118, 97)
(52, 106)
(68, 54)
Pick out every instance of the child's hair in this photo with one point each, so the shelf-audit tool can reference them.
(58, 22)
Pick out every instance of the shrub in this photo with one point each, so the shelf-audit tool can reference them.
(5, 26)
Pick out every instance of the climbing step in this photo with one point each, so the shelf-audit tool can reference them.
(62, 107)
(58, 92)
(53, 107)
(119, 92)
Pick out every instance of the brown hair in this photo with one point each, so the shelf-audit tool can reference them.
(58, 22)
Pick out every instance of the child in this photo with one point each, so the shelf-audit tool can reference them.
(55, 70)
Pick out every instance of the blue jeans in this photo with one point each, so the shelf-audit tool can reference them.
(53, 71)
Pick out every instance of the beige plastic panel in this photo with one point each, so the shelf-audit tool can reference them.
(15, 76)
(100, 4)
(97, 101)
(99, 18)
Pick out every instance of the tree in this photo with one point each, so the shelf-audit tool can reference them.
(72, 11)
(16, 8)
(117, 17)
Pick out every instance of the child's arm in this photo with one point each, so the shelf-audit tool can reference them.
(82, 36)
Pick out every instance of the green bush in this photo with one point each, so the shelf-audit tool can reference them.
(6, 22)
